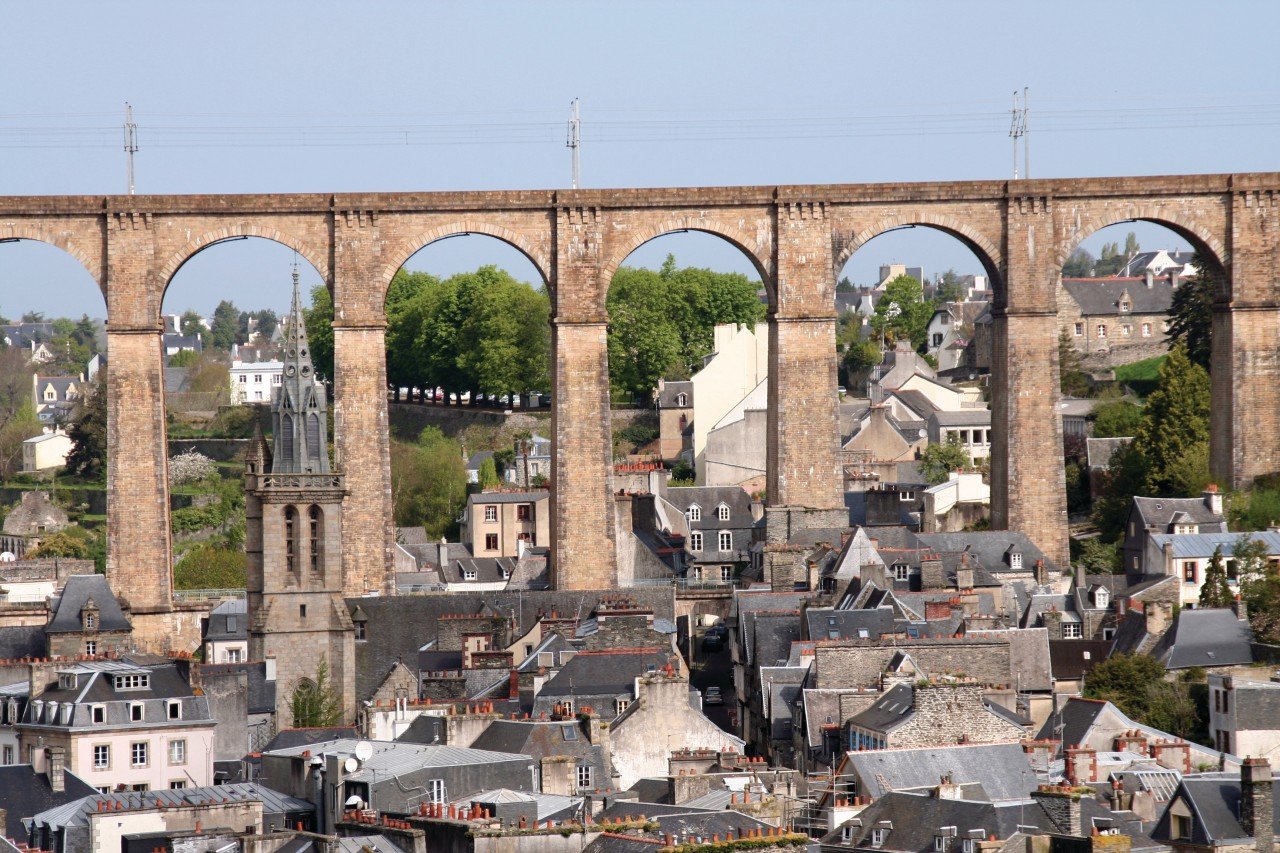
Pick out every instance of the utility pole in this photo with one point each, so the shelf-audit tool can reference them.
(574, 140)
(130, 142)
(1018, 130)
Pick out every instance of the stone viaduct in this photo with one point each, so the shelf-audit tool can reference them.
(797, 237)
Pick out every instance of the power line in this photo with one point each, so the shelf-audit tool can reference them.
(130, 142)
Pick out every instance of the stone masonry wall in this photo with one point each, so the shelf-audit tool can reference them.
(796, 237)
(860, 663)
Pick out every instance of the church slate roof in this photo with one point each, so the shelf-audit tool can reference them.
(77, 592)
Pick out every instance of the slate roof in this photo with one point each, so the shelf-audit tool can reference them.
(1079, 717)
(666, 398)
(1214, 800)
(827, 624)
(274, 803)
(75, 594)
(291, 738)
(1100, 450)
(1201, 545)
(1206, 636)
(989, 546)
(26, 641)
(1073, 659)
(395, 758)
(604, 672)
(708, 498)
(962, 417)
(542, 739)
(1158, 512)
(24, 793)
(888, 712)
(1100, 297)
(398, 626)
(1001, 769)
(221, 619)
(507, 497)
(913, 821)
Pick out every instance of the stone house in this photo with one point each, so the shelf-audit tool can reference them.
(1108, 314)
(35, 516)
(570, 756)
(721, 523)
(226, 633)
(1149, 516)
(495, 523)
(86, 619)
(55, 397)
(1244, 715)
(674, 401)
(539, 463)
(927, 713)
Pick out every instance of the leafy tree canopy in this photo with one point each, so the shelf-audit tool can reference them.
(1136, 685)
(1116, 419)
(939, 460)
(1191, 315)
(902, 314)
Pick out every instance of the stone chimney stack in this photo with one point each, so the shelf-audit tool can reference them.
(442, 554)
(964, 573)
(932, 574)
(1256, 807)
(1241, 609)
(1042, 574)
(57, 763)
(1159, 614)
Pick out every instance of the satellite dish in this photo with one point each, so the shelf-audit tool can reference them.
(364, 750)
(351, 765)
(354, 802)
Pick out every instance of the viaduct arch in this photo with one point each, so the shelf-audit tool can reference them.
(797, 236)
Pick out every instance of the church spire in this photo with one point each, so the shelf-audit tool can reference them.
(299, 408)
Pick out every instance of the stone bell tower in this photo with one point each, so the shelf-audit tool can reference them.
(293, 536)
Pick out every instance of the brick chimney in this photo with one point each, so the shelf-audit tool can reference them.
(1256, 803)
(1082, 765)
(1213, 499)
(936, 611)
(1174, 754)
(1241, 609)
(1042, 574)
(1062, 806)
(56, 760)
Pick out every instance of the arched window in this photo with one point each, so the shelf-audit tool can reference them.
(314, 445)
(317, 538)
(290, 538)
(682, 400)
(286, 435)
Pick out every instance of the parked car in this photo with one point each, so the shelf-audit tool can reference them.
(712, 643)
(713, 696)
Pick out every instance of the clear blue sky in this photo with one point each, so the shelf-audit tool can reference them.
(788, 69)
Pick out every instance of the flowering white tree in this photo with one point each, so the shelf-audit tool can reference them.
(189, 467)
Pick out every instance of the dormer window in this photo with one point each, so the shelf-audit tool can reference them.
(67, 681)
(682, 400)
(1101, 598)
(722, 512)
(136, 681)
(694, 513)
(1015, 560)
(1125, 306)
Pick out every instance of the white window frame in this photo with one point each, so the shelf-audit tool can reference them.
(137, 712)
(174, 709)
(91, 647)
(693, 513)
(1079, 330)
(584, 777)
(436, 791)
(725, 541)
(1072, 631)
(695, 541)
(490, 512)
(722, 512)
(102, 756)
(178, 752)
(143, 748)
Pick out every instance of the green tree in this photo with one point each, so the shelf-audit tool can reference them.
(64, 543)
(1116, 419)
(319, 320)
(1174, 433)
(184, 358)
(88, 432)
(488, 474)
(17, 428)
(266, 323)
(939, 460)
(1261, 594)
(844, 285)
(189, 323)
(902, 313)
(316, 703)
(208, 565)
(949, 288)
(859, 359)
(1136, 685)
(428, 484)
(1191, 315)
(1215, 592)
(1099, 557)
(225, 326)
(1079, 265)
(1073, 380)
